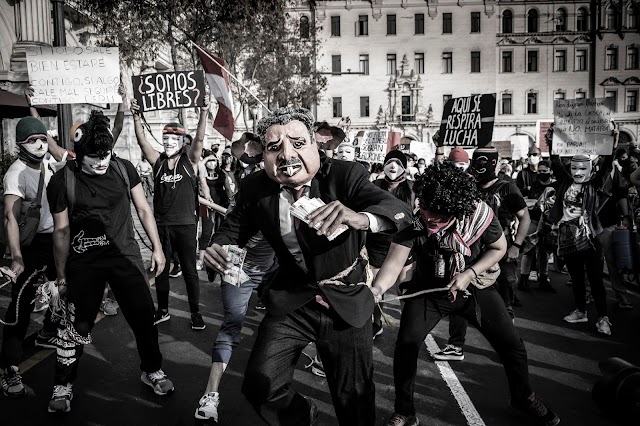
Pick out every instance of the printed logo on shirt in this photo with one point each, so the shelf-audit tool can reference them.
(573, 199)
(81, 244)
(165, 178)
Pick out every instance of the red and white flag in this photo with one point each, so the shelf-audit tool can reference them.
(218, 80)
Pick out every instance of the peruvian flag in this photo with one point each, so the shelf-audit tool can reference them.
(218, 80)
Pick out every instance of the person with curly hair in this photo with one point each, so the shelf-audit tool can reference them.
(457, 242)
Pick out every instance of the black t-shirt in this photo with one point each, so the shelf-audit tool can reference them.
(175, 192)
(216, 188)
(536, 192)
(101, 226)
(425, 251)
(505, 199)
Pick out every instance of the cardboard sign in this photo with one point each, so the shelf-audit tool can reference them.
(468, 121)
(541, 130)
(374, 145)
(169, 90)
(504, 148)
(519, 146)
(74, 75)
(583, 126)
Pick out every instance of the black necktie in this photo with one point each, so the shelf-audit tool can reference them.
(297, 194)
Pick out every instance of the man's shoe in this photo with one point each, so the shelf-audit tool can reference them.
(576, 316)
(377, 330)
(108, 307)
(533, 276)
(400, 420)
(60, 401)
(536, 408)
(158, 381)
(604, 326)
(260, 306)
(449, 353)
(12, 383)
(162, 315)
(196, 322)
(46, 339)
(545, 285)
(176, 271)
(208, 407)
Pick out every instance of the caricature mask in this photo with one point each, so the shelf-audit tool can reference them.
(173, 136)
(345, 151)
(31, 136)
(581, 168)
(484, 164)
(93, 143)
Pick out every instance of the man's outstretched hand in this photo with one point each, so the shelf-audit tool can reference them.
(335, 214)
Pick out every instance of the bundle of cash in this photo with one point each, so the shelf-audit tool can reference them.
(305, 206)
(234, 275)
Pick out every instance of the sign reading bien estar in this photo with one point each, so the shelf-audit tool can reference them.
(169, 90)
(468, 121)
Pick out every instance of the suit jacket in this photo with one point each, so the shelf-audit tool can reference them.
(257, 204)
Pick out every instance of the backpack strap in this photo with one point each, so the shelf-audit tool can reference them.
(43, 170)
(122, 171)
(70, 185)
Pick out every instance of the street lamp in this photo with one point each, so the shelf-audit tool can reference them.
(254, 117)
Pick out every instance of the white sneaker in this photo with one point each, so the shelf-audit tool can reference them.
(533, 276)
(604, 326)
(576, 316)
(158, 381)
(208, 406)
(61, 399)
(199, 265)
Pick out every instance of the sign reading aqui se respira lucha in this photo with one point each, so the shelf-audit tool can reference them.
(74, 75)
(583, 126)
(468, 121)
(169, 90)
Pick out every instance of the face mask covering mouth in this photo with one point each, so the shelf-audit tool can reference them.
(95, 165)
(534, 160)
(544, 177)
(393, 170)
(211, 165)
(434, 222)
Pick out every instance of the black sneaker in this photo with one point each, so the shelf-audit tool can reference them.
(162, 315)
(176, 271)
(377, 330)
(260, 306)
(545, 285)
(196, 322)
(536, 408)
(449, 353)
(46, 339)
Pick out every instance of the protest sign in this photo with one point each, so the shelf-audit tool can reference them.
(503, 148)
(468, 121)
(424, 150)
(169, 90)
(541, 131)
(374, 145)
(519, 146)
(583, 126)
(70, 75)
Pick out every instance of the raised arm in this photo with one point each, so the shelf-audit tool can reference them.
(147, 150)
(119, 121)
(195, 152)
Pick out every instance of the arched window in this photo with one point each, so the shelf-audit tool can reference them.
(561, 19)
(611, 18)
(304, 27)
(507, 21)
(532, 21)
(582, 20)
(632, 17)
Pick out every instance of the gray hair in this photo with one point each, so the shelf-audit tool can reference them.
(283, 116)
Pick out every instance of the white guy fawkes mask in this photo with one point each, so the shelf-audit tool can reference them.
(172, 144)
(345, 152)
(95, 165)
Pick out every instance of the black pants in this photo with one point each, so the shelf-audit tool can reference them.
(182, 239)
(36, 256)
(592, 262)
(346, 354)
(207, 231)
(86, 284)
(421, 315)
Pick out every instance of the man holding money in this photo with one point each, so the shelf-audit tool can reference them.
(319, 292)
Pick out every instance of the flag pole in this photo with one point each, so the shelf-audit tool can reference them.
(231, 75)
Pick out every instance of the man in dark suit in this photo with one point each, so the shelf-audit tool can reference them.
(320, 291)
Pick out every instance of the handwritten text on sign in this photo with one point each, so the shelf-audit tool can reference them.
(374, 147)
(583, 126)
(69, 75)
(169, 90)
(468, 121)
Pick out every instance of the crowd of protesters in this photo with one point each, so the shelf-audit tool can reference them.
(459, 237)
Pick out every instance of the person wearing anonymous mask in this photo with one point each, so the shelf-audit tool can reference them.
(578, 202)
(345, 151)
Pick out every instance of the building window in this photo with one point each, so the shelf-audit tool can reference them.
(582, 20)
(581, 59)
(560, 60)
(632, 17)
(611, 59)
(336, 64)
(532, 21)
(632, 58)
(447, 23)
(363, 25)
(337, 107)
(612, 94)
(391, 24)
(561, 19)
(507, 21)
(364, 106)
(532, 103)
(632, 101)
(445, 99)
(305, 66)
(507, 61)
(419, 63)
(611, 18)
(532, 61)
(475, 61)
(475, 22)
(506, 103)
(447, 62)
(559, 96)
(580, 94)
(364, 64)
(392, 67)
(304, 27)
(419, 23)
(335, 26)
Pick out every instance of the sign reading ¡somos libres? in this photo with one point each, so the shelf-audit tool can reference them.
(583, 126)
(468, 121)
(70, 75)
(169, 90)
